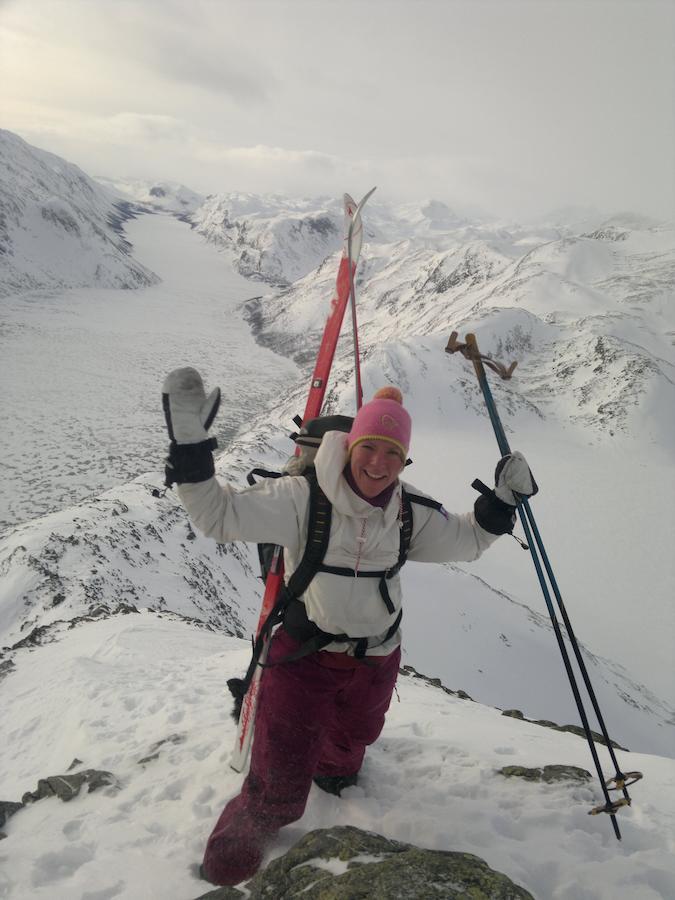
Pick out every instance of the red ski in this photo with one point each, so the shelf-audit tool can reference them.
(344, 289)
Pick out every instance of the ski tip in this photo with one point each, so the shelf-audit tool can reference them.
(367, 196)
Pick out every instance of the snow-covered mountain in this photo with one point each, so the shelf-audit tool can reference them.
(272, 238)
(58, 227)
(163, 196)
(589, 317)
(585, 311)
(125, 547)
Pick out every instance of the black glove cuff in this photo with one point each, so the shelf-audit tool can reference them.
(493, 514)
(190, 463)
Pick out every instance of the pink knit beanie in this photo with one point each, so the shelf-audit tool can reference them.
(383, 419)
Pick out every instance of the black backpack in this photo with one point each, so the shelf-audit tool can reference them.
(289, 608)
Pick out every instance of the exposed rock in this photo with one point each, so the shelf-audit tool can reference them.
(572, 729)
(222, 893)
(345, 863)
(46, 634)
(548, 774)
(434, 682)
(6, 667)
(153, 753)
(35, 639)
(7, 809)
(68, 786)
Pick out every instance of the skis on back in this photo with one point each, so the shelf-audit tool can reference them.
(344, 289)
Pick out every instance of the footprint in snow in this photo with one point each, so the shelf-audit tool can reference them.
(422, 730)
(205, 794)
(509, 828)
(173, 791)
(105, 893)
(72, 829)
(55, 866)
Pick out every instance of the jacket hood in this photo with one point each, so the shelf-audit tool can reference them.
(330, 461)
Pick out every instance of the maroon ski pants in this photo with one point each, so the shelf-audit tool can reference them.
(315, 717)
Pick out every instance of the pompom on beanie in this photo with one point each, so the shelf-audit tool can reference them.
(383, 419)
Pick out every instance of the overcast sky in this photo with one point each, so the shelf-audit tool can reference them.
(512, 106)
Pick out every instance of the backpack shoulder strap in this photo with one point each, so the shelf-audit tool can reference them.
(424, 501)
(262, 473)
(406, 527)
(318, 535)
(407, 500)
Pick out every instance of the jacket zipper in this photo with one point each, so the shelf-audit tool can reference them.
(361, 539)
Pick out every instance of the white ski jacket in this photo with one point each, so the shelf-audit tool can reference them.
(362, 537)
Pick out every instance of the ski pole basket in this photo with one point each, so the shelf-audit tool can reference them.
(621, 781)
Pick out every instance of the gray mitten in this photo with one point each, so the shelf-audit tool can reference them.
(495, 510)
(513, 479)
(189, 414)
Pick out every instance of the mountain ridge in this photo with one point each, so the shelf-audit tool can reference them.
(515, 292)
(58, 228)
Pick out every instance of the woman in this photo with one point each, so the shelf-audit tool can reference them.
(318, 713)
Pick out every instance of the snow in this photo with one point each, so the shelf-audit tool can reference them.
(167, 196)
(589, 318)
(58, 228)
(273, 239)
(83, 370)
(119, 686)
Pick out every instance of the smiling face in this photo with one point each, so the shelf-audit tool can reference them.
(375, 465)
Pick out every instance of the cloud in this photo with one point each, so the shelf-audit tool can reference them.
(215, 71)
(511, 106)
(262, 155)
(140, 43)
(125, 128)
(128, 126)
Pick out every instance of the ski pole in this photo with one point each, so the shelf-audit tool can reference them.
(621, 780)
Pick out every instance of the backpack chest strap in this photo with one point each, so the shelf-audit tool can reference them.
(353, 573)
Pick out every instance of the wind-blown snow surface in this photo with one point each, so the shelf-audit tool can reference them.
(58, 227)
(120, 686)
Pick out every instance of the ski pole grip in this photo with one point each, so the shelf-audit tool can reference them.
(474, 355)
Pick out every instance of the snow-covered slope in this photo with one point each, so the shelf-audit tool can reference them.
(142, 697)
(272, 238)
(586, 314)
(164, 196)
(522, 299)
(591, 323)
(589, 318)
(127, 548)
(81, 370)
(58, 227)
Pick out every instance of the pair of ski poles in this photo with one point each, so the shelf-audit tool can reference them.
(620, 781)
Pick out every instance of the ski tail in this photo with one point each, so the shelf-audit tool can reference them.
(344, 287)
